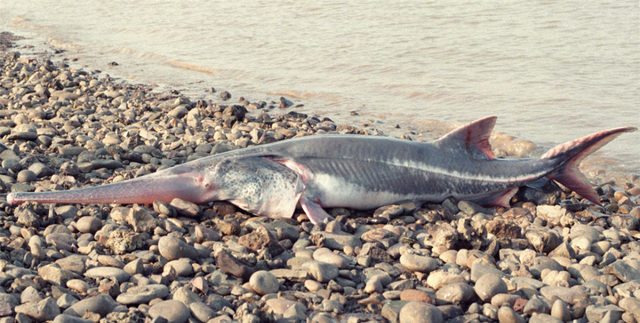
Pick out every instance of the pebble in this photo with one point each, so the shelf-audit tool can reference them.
(414, 295)
(264, 282)
(101, 304)
(108, 272)
(418, 263)
(44, 310)
(320, 271)
(490, 285)
(420, 312)
(455, 293)
(88, 224)
(202, 311)
(173, 311)
(506, 314)
(172, 249)
(143, 294)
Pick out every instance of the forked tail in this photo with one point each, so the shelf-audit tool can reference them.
(572, 153)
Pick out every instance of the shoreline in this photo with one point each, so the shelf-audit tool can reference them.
(455, 261)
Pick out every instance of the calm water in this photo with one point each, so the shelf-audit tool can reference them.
(551, 71)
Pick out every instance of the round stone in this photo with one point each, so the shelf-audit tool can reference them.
(419, 312)
(173, 249)
(455, 293)
(173, 311)
(88, 224)
(264, 282)
(490, 285)
(25, 176)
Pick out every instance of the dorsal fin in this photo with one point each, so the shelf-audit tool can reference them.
(476, 134)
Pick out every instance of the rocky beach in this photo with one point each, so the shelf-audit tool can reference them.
(551, 257)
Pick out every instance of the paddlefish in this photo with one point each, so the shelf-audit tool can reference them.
(352, 171)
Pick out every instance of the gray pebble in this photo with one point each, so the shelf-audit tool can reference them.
(490, 285)
(173, 311)
(88, 224)
(419, 312)
(172, 249)
(142, 294)
(264, 282)
(25, 176)
(44, 310)
(321, 271)
(108, 272)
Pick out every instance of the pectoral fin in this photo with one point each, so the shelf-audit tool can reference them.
(259, 186)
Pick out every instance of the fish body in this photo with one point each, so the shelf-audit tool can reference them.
(360, 172)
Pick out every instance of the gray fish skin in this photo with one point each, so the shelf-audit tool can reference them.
(360, 172)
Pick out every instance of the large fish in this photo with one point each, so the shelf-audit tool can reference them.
(360, 172)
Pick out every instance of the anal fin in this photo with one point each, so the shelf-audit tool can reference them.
(314, 210)
(504, 198)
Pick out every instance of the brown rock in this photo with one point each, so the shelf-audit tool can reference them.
(414, 295)
(504, 230)
(259, 239)
(109, 287)
(231, 265)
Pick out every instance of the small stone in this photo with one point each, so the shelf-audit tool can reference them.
(185, 208)
(419, 312)
(64, 318)
(25, 176)
(88, 224)
(56, 275)
(414, 295)
(280, 306)
(418, 263)
(140, 219)
(172, 249)
(108, 272)
(182, 267)
(455, 293)
(173, 311)
(264, 282)
(327, 256)
(102, 304)
(320, 271)
(143, 294)
(30, 295)
(231, 265)
(506, 314)
(202, 311)
(569, 295)
(134, 267)
(41, 170)
(560, 310)
(490, 285)
(44, 310)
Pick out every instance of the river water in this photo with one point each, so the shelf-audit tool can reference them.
(552, 71)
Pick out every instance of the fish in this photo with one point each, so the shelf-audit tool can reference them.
(352, 171)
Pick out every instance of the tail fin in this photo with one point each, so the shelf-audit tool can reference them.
(572, 153)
